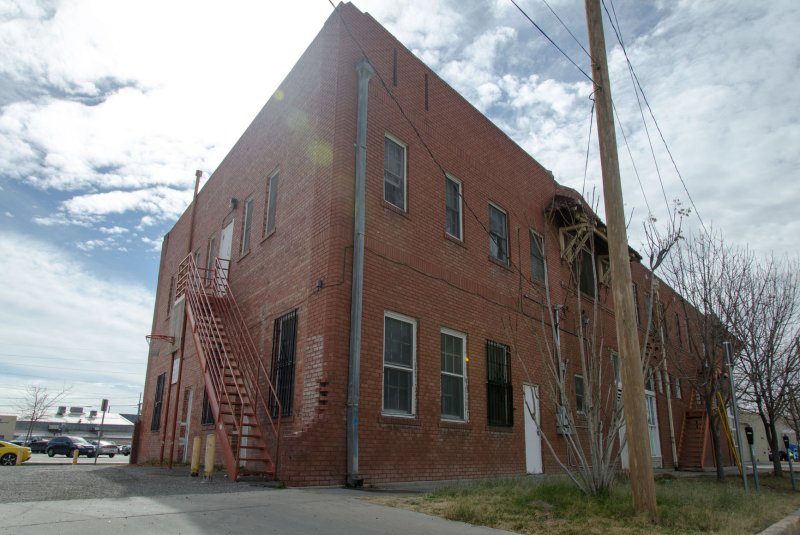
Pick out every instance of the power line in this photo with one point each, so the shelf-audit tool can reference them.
(82, 359)
(566, 28)
(655, 122)
(553, 42)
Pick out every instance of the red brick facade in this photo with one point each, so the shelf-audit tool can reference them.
(306, 133)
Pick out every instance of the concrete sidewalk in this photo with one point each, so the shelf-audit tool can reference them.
(288, 511)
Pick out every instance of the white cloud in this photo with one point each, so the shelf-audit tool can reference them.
(113, 230)
(77, 328)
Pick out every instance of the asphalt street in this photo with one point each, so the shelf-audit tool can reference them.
(123, 499)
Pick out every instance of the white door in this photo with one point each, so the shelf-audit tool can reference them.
(533, 435)
(652, 426)
(224, 256)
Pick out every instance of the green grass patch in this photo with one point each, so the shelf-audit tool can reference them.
(554, 506)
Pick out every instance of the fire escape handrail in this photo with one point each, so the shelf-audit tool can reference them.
(189, 277)
(254, 365)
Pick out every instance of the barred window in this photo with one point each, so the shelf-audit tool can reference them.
(155, 423)
(207, 416)
(500, 409)
(284, 340)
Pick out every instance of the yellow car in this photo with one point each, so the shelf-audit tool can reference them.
(9, 453)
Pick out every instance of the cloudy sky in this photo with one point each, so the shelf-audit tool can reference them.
(107, 108)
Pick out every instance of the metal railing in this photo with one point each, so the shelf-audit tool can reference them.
(212, 306)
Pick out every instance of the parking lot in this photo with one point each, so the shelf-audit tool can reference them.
(124, 499)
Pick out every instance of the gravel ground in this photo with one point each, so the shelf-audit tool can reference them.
(67, 482)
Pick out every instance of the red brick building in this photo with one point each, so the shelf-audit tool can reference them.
(458, 222)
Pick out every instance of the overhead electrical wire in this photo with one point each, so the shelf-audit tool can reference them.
(553, 42)
(638, 86)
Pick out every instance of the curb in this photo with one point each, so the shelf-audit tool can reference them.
(790, 525)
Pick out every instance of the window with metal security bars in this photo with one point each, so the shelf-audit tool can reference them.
(500, 409)
(284, 343)
(399, 346)
(453, 356)
(537, 257)
(155, 423)
(206, 417)
(394, 173)
(453, 222)
(498, 234)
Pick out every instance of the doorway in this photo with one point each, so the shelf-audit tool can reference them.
(533, 435)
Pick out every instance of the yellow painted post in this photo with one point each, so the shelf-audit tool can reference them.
(75, 455)
(19, 457)
(211, 443)
(195, 456)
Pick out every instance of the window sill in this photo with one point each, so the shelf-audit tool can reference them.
(394, 208)
(505, 265)
(268, 236)
(504, 429)
(459, 425)
(243, 255)
(453, 239)
(397, 419)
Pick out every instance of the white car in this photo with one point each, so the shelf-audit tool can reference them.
(104, 447)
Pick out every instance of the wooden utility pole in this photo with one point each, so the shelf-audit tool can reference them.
(636, 430)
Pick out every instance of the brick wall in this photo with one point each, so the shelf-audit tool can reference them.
(306, 132)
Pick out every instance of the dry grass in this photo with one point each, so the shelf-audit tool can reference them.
(554, 506)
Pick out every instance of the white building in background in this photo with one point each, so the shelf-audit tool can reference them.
(760, 443)
(7, 424)
(76, 422)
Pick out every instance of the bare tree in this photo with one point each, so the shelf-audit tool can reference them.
(589, 421)
(766, 323)
(709, 275)
(37, 403)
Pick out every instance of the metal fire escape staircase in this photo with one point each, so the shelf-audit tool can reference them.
(694, 435)
(242, 397)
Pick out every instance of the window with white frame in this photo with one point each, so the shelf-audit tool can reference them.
(580, 401)
(453, 217)
(247, 223)
(537, 257)
(498, 233)
(659, 384)
(454, 374)
(394, 172)
(399, 356)
(677, 382)
(272, 200)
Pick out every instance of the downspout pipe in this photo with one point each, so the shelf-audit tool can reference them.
(365, 72)
(190, 246)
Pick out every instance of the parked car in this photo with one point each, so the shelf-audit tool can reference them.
(65, 445)
(9, 453)
(105, 447)
(36, 443)
(125, 449)
(39, 444)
